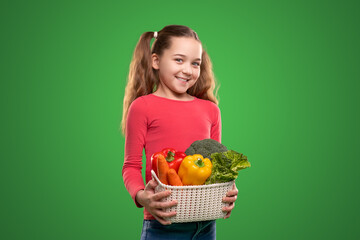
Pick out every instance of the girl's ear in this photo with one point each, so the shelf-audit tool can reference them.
(155, 61)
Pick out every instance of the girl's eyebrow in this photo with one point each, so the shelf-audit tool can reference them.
(182, 55)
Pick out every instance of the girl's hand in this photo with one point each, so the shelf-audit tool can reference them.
(153, 204)
(230, 198)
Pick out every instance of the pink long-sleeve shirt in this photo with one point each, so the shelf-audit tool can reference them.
(154, 123)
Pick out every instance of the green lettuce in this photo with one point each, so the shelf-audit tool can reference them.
(226, 166)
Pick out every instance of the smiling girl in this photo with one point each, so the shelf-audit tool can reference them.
(169, 101)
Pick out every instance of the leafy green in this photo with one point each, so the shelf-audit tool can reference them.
(226, 166)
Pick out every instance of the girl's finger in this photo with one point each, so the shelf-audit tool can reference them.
(227, 215)
(229, 208)
(232, 193)
(160, 195)
(162, 205)
(163, 214)
(230, 199)
(162, 221)
(151, 184)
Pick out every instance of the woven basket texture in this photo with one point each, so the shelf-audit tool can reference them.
(195, 203)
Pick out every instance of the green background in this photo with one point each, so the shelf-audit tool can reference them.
(289, 96)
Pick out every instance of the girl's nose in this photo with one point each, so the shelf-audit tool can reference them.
(187, 69)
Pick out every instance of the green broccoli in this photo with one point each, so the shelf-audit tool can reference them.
(205, 147)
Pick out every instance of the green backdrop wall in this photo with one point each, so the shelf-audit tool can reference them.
(289, 96)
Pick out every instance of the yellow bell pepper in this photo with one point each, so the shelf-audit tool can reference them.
(194, 169)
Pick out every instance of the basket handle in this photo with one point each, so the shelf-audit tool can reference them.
(154, 176)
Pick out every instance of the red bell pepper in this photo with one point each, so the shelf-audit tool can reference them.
(173, 157)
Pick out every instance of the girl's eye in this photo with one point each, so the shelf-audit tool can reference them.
(180, 60)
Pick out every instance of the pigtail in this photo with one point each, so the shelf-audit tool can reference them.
(141, 80)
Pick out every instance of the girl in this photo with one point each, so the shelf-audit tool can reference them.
(168, 102)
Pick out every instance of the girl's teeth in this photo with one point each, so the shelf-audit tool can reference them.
(181, 79)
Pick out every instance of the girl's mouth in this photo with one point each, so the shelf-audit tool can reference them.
(182, 79)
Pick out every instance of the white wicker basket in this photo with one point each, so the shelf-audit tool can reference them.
(195, 203)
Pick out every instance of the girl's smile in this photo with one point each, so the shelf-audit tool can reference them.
(183, 79)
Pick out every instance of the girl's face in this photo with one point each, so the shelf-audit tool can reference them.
(178, 67)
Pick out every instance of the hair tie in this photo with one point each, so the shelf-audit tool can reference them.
(155, 34)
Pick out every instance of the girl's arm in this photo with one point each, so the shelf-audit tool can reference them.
(136, 128)
(143, 196)
(215, 132)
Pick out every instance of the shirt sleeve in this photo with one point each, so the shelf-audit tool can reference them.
(216, 124)
(136, 128)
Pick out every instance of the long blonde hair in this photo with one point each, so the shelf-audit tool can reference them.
(143, 79)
